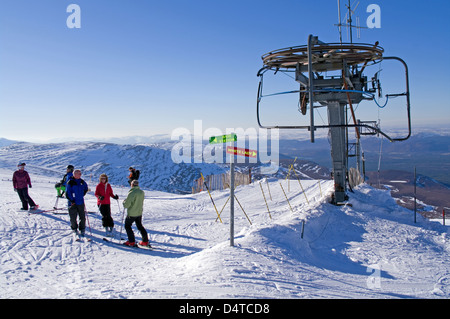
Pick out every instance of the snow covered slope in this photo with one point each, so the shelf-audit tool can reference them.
(371, 249)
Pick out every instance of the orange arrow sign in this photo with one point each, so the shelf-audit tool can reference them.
(241, 151)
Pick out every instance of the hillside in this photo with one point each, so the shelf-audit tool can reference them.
(369, 249)
(158, 171)
(432, 196)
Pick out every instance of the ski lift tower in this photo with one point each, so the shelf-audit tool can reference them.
(311, 66)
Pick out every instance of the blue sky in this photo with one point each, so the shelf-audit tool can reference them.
(148, 67)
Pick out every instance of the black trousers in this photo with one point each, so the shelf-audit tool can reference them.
(138, 220)
(105, 210)
(25, 198)
(77, 211)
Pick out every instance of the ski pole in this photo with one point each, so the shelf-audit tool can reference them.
(121, 225)
(56, 203)
(99, 210)
(87, 218)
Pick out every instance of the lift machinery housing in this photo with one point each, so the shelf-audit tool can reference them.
(311, 65)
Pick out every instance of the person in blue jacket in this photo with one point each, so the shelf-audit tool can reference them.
(75, 190)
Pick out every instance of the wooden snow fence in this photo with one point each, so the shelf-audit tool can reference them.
(219, 182)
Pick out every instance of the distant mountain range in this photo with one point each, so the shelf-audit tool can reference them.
(157, 169)
(428, 152)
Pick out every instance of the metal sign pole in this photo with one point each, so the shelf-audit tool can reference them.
(232, 164)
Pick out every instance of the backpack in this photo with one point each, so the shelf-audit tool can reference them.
(137, 174)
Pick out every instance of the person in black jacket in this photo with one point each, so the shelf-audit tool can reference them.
(61, 186)
(134, 175)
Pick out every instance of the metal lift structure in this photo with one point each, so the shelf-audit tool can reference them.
(348, 85)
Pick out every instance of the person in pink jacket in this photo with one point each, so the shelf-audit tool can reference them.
(104, 193)
(21, 181)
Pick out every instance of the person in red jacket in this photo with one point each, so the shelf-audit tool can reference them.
(104, 193)
(21, 181)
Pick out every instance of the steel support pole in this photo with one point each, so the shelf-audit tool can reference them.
(311, 87)
(232, 202)
(336, 116)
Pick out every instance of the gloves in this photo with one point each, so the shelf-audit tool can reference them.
(116, 196)
(101, 197)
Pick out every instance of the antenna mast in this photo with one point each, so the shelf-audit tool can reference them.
(348, 22)
(339, 22)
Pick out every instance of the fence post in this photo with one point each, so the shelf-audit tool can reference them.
(268, 188)
(211, 199)
(415, 198)
(265, 201)
(303, 228)
(243, 209)
(298, 178)
(286, 198)
(443, 216)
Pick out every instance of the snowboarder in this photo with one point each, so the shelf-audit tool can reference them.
(134, 203)
(75, 191)
(104, 192)
(21, 181)
(134, 175)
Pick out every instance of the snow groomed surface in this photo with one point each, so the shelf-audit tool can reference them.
(369, 249)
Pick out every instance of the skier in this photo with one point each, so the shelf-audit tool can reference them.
(21, 181)
(75, 191)
(61, 186)
(134, 203)
(134, 175)
(104, 192)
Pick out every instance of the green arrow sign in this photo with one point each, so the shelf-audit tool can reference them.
(223, 138)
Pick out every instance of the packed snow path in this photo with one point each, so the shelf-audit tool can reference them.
(371, 249)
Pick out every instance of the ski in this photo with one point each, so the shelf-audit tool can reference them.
(40, 211)
(61, 213)
(131, 247)
(144, 247)
(110, 240)
(54, 210)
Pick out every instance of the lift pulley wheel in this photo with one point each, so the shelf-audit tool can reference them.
(325, 57)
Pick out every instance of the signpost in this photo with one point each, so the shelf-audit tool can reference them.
(227, 139)
(232, 150)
